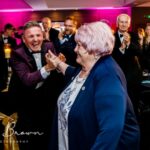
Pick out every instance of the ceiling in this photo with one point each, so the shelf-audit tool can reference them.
(27, 5)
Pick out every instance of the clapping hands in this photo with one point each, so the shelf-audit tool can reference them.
(53, 60)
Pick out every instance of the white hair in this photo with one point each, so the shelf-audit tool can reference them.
(96, 37)
(123, 15)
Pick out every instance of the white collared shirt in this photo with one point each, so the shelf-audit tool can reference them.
(64, 39)
(121, 38)
(5, 40)
(44, 73)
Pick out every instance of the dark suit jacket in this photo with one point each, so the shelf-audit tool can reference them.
(34, 106)
(128, 61)
(67, 48)
(12, 41)
(25, 76)
(145, 59)
(53, 34)
(3, 68)
(102, 117)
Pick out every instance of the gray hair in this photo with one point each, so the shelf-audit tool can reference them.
(31, 24)
(125, 15)
(96, 37)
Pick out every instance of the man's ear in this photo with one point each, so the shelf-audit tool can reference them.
(23, 39)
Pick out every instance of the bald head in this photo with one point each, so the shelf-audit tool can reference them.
(123, 22)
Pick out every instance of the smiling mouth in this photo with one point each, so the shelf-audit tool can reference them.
(35, 45)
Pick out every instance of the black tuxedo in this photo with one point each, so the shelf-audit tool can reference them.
(34, 106)
(130, 65)
(67, 48)
(53, 36)
(128, 61)
(3, 68)
(145, 59)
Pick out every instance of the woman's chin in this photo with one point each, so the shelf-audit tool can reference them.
(78, 61)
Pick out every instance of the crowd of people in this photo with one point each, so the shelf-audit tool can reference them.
(77, 88)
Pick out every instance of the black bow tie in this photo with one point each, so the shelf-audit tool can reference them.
(5, 38)
(121, 35)
(66, 36)
(37, 52)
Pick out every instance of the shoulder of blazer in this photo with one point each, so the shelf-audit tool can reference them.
(48, 46)
(21, 52)
(53, 31)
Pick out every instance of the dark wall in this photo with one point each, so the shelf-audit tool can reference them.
(138, 17)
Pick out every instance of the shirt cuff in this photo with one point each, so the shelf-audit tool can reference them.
(44, 73)
(62, 41)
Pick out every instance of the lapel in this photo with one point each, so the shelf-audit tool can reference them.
(30, 59)
(72, 37)
(43, 52)
(117, 41)
(89, 80)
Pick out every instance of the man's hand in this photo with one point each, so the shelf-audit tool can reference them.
(126, 39)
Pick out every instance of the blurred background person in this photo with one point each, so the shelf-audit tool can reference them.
(127, 52)
(66, 42)
(145, 43)
(29, 89)
(141, 35)
(8, 35)
(50, 34)
(94, 109)
(18, 34)
(6, 38)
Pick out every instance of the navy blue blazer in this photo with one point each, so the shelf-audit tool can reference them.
(102, 116)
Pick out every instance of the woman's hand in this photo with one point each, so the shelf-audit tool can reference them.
(56, 62)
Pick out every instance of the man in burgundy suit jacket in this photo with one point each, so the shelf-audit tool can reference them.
(29, 89)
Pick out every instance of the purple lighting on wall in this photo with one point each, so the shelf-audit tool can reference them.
(19, 16)
(15, 10)
(13, 4)
(109, 14)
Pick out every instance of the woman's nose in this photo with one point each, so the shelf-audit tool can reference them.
(75, 49)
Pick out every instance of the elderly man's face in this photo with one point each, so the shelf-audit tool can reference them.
(46, 23)
(33, 38)
(123, 23)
